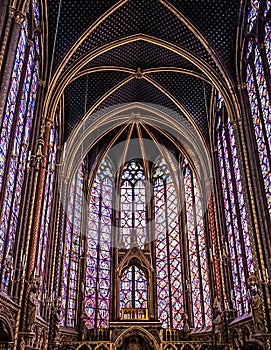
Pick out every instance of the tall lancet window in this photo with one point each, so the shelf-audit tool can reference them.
(15, 131)
(97, 294)
(258, 59)
(133, 206)
(133, 288)
(237, 243)
(72, 249)
(199, 275)
(173, 283)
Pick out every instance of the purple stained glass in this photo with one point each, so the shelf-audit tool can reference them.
(268, 6)
(36, 12)
(12, 97)
(137, 296)
(72, 249)
(268, 43)
(97, 293)
(133, 203)
(126, 298)
(261, 129)
(195, 278)
(241, 201)
(19, 144)
(167, 233)
(253, 13)
(227, 153)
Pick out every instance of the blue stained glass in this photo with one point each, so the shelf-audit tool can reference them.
(133, 202)
(268, 43)
(72, 249)
(137, 297)
(268, 6)
(97, 293)
(253, 13)
(12, 96)
(36, 11)
(166, 206)
(231, 206)
(261, 129)
(168, 240)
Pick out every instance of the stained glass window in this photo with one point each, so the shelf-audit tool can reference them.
(253, 12)
(133, 206)
(15, 133)
(133, 288)
(72, 249)
(172, 282)
(259, 97)
(199, 277)
(237, 239)
(97, 295)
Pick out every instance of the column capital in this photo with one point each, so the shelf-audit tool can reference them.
(19, 17)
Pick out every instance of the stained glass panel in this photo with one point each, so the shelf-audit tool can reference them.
(253, 13)
(238, 240)
(168, 248)
(15, 134)
(133, 288)
(72, 249)
(259, 129)
(99, 248)
(133, 206)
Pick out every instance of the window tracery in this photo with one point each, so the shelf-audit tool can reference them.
(98, 265)
(72, 249)
(133, 206)
(237, 245)
(172, 282)
(257, 76)
(16, 129)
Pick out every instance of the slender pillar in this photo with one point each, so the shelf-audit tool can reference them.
(8, 52)
(27, 299)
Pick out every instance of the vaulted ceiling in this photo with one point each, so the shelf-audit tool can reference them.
(148, 51)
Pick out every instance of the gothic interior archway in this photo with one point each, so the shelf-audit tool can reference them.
(135, 174)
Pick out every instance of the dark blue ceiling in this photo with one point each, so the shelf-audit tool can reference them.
(216, 20)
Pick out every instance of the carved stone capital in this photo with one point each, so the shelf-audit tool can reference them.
(19, 17)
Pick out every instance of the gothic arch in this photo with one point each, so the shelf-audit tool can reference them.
(88, 132)
(136, 331)
(6, 333)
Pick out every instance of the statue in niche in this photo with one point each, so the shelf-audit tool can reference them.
(256, 304)
(218, 320)
(31, 308)
(185, 324)
(57, 319)
(257, 311)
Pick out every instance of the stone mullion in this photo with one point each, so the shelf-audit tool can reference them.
(57, 254)
(14, 124)
(4, 19)
(225, 264)
(39, 170)
(21, 316)
(26, 191)
(206, 194)
(10, 48)
(187, 299)
(259, 210)
(258, 242)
